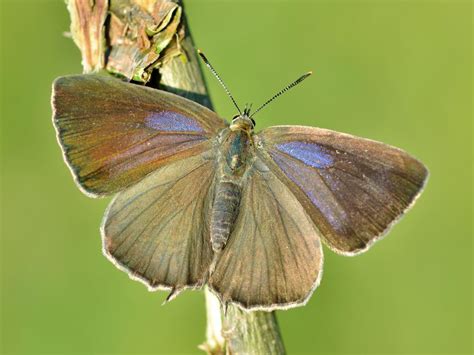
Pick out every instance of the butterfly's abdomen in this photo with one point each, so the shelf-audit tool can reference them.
(224, 212)
(233, 163)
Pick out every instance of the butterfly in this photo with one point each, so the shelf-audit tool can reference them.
(199, 201)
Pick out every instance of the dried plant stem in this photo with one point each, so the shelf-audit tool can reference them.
(236, 332)
(240, 332)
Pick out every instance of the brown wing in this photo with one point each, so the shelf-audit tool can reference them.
(273, 259)
(353, 189)
(157, 230)
(114, 133)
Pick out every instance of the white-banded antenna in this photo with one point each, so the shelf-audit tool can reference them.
(211, 68)
(285, 89)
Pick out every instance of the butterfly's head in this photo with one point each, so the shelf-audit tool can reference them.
(243, 122)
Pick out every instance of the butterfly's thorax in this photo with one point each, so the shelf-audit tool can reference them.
(234, 159)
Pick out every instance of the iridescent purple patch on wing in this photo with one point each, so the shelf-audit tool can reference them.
(172, 121)
(309, 153)
(319, 194)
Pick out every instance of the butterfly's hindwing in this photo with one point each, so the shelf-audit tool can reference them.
(158, 230)
(273, 258)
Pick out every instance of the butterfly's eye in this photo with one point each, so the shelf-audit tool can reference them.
(253, 121)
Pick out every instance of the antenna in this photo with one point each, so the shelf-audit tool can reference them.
(211, 68)
(285, 89)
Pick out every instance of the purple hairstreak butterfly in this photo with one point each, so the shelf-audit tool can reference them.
(199, 201)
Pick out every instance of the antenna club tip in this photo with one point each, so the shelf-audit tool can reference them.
(309, 73)
(201, 54)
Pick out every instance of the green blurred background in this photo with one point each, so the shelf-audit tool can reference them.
(395, 71)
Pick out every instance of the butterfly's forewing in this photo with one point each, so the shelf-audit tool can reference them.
(157, 230)
(353, 189)
(114, 133)
(273, 258)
